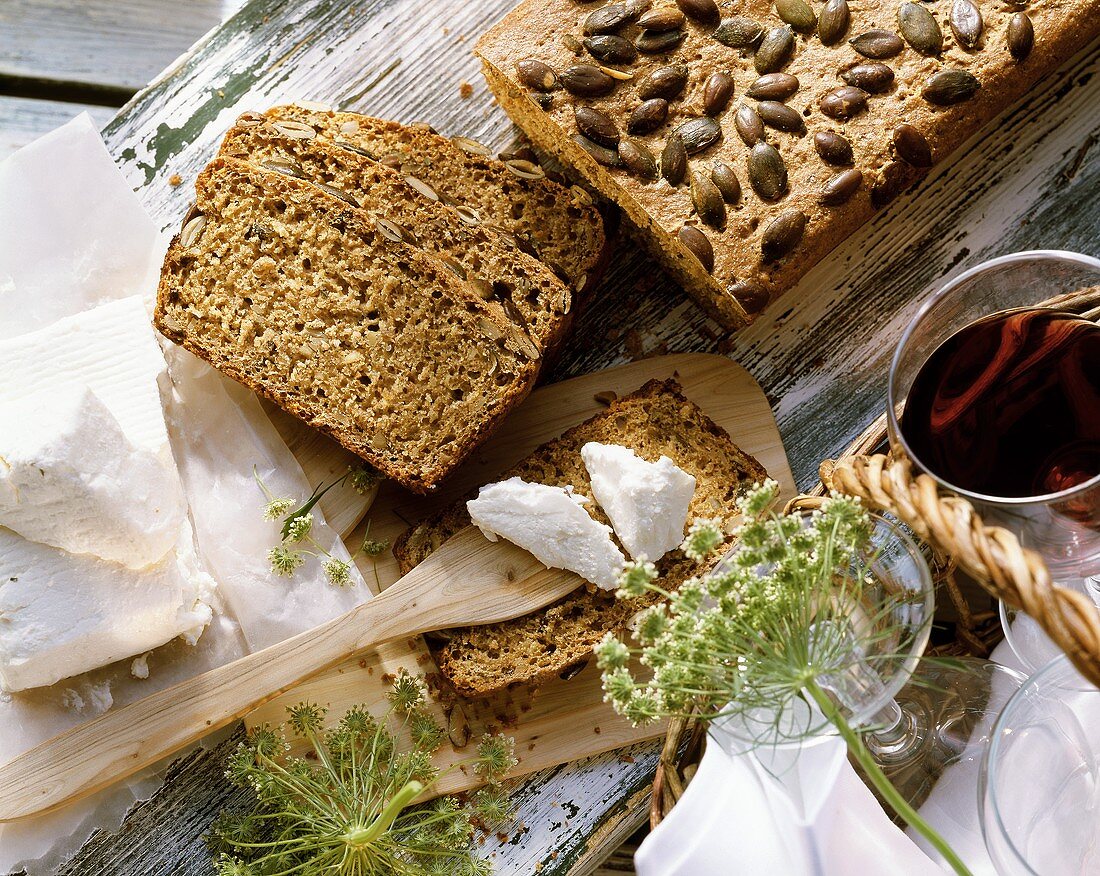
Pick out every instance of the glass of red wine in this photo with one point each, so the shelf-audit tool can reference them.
(996, 395)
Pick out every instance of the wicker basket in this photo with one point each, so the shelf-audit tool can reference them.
(959, 543)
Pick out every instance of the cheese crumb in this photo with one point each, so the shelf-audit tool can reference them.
(140, 667)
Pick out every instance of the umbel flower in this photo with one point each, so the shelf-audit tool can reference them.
(765, 628)
(347, 808)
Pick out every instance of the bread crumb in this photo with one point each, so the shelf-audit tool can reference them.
(175, 179)
(465, 91)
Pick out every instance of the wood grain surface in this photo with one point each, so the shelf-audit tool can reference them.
(1029, 180)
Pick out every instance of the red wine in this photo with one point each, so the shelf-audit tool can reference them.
(1010, 405)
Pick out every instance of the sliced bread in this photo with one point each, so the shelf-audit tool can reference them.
(331, 315)
(655, 420)
(518, 285)
(560, 223)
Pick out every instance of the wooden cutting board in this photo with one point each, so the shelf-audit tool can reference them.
(567, 719)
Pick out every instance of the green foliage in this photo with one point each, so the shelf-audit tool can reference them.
(347, 808)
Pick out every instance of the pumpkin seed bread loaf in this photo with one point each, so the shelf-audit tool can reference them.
(556, 641)
(520, 287)
(747, 139)
(331, 315)
(560, 224)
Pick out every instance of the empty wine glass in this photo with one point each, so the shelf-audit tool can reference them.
(1039, 788)
(1061, 521)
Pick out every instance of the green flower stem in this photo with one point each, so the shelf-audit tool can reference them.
(878, 778)
(365, 836)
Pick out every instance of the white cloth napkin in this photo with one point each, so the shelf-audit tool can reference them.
(790, 811)
(73, 235)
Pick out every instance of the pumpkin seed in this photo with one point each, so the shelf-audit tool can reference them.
(703, 11)
(698, 245)
(191, 231)
(284, 166)
(920, 29)
(349, 127)
(840, 188)
(949, 87)
(889, 184)
(1021, 36)
(525, 169)
(832, 24)
(833, 148)
(468, 214)
(966, 23)
(359, 150)
(726, 180)
(739, 32)
(750, 295)
(798, 14)
(874, 78)
(780, 116)
(749, 125)
(662, 19)
(782, 234)
(767, 172)
(390, 230)
(648, 116)
(608, 19)
(572, 44)
(597, 126)
(708, 201)
(775, 50)
(877, 44)
(637, 159)
(482, 288)
(699, 134)
(250, 119)
(674, 160)
(422, 187)
(773, 86)
(717, 92)
(536, 74)
(586, 80)
(843, 103)
(912, 146)
(611, 49)
(658, 43)
(666, 82)
(603, 155)
(295, 130)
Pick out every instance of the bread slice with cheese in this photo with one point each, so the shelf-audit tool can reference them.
(655, 420)
(332, 315)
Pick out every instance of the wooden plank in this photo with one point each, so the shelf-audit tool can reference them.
(1031, 179)
(23, 119)
(107, 49)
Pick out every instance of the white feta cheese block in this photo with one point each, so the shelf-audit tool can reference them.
(70, 478)
(112, 350)
(62, 614)
(646, 502)
(552, 524)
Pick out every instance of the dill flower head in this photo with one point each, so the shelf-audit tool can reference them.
(703, 537)
(363, 479)
(298, 527)
(495, 757)
(348, 808)
(374, 548)
(277, 507)
(285, 561)
(635, 577)
(337, 571)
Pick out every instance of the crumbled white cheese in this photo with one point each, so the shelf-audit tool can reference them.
(551, 523)
(62, 614)
(140, 667)
(70, 478)
(646, 502)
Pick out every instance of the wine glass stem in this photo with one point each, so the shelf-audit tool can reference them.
(895, 735)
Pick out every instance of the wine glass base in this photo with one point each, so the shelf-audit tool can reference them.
(950, 705)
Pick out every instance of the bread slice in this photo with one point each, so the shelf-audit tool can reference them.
(655, 420)
(560, 223)
(903, 95)
(327, 312)
(517, 285)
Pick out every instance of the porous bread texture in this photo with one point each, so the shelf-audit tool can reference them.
(520, 287)
(561, 224)
(655, 420)
(302, 298)
(743, 281)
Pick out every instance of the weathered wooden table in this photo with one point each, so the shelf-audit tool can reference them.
(1031, 180)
